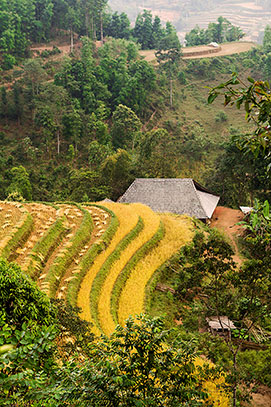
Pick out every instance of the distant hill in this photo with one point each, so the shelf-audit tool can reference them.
(251, 16)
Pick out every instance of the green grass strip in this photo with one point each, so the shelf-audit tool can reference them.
(18, 239)
(92, 253)
(126, 271)
(45, 246)
(104, 270)
(153, 281)
(61, 264)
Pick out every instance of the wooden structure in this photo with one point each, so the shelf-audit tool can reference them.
(220, 326)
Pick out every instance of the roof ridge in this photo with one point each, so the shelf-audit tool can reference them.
(200, 203)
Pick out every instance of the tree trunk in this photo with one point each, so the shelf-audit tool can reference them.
(234, 390)
(93, 29)
(102, 29)
(87, 23)
(58, 143)
(170, 97)
(71, 48)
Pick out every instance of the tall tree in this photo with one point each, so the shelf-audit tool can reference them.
(168, 55)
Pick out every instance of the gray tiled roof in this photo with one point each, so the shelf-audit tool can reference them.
(176, 195)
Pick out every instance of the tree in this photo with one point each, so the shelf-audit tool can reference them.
(219, 32)
(51, 106)
(169, 54)
(158, 154)
(19, 183)
(86, 184)
(73, 23)
(256, 99)
(267, 39)
(21, 300)
(143, 30)
(258, 230)
(157, 32)
(125, 125)
(210, 280)
(116, 172)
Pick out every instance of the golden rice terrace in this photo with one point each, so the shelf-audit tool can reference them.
(101, 257)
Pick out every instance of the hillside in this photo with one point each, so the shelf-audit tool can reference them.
(92, 255)
(251, 16)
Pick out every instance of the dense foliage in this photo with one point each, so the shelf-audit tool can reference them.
(222, 31)
(135, 366)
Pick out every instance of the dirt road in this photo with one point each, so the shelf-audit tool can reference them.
(202, 51)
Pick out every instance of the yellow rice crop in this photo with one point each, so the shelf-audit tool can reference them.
(214, 387)
(127, 220)
(151, 222)
(177, 233)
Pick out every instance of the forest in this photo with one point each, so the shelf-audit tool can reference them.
(77, 127)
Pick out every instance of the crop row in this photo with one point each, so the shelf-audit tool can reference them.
(88, 260)
(17, 237)
(127, 221)
(45, 246)
(127, 260)
(63, 261)
(132, 299)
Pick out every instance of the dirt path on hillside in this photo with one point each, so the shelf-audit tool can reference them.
(226, 49)
(225, 219)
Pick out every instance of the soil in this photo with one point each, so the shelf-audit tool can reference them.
(225, 220)
(225, 49)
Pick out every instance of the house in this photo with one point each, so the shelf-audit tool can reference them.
(221, 325)
(176, 195)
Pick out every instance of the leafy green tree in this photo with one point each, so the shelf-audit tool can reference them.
(258, 228)
(267, 39)
(97, 154)
(118, 26)
(209, 277)
(219, 32)
(168, 55)
(52, 104)
(116, 172)
(158, 154)
(86, 183)
(73, 22)
(143, 30)
(157, 32)
(21, 300)
(20, 183)
(125, 126)
(256, 100)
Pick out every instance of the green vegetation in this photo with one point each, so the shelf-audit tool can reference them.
(222, 31)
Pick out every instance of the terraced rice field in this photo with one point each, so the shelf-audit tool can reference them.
(100, 257)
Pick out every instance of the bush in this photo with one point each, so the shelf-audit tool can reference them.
(221, 117)
(8, 61)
